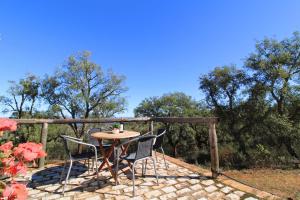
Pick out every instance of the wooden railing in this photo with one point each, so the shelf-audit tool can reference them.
(209, 121)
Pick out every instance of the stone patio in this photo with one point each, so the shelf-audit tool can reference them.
(177, 182)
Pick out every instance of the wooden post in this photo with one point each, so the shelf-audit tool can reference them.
(214, 155)
(151, 127)
(122, 128)
(44, 142)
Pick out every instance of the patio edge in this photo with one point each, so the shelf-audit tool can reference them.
(248, 189)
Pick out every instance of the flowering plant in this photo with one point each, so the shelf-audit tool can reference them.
(13, 162)
(116, 126)
(7, 125)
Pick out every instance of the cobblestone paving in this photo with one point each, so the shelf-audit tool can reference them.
(174, 183)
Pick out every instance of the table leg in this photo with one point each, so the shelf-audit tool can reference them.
(106, 156)
(124, 151)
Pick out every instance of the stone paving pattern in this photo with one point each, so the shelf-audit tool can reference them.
(174, 183)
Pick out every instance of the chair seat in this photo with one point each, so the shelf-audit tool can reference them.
(83, 156)
(105, 146)
(129, 157)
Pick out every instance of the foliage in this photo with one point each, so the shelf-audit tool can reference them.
(116, 126)
(23, 97)
(257, 105)
(181, 139)
(80, 89)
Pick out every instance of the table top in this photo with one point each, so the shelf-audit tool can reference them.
(108, 135)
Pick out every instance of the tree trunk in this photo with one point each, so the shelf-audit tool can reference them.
(288, 144)
(175, 151)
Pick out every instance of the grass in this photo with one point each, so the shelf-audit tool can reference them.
(283, 183)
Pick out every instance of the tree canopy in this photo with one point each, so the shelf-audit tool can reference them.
(185, 136)
(22, 97)
(80, 89)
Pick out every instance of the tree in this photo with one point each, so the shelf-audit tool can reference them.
(80, 89)
(276, 65)
(23, 96)
(175, 105)
(223, 88)
(21, 101)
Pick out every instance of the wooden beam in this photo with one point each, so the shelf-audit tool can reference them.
(67, 121)
(198, 120)
(214, 155)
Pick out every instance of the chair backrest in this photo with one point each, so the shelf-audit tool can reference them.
(144, 147)
(65, 141)
(159, 138)
(91, 139)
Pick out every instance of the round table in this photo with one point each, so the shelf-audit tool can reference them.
(115, 137)
(108, 135)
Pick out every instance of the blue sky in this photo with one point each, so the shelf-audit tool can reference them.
(160, 46)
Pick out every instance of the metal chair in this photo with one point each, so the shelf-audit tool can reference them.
(67, 140)
(94, 141)
(143, 151)
(158, 145)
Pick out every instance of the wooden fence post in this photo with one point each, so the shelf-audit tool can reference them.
(151, 127)
(214, 155)
(44, 142)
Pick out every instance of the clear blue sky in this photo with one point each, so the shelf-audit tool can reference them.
(160, 46)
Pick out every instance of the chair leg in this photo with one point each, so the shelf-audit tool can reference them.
(133, 178)
(97, 172)
(63, 172)
(162, 150)
(93, 163)
(143, 168)
(116, 163)
(68, 174)
(88, 166)
(155, 156)
(154, 164)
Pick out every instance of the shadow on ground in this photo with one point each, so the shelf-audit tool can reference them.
(51, 176)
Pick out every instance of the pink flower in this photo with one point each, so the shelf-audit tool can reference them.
(29, 151)
(15, 191)
(6, 147)
(16, 169)
(7, 124)
(12, 168)
(14, 162)
(41, 154)
(7, 162)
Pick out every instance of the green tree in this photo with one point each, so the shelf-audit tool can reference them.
(21, 101)
(80, 89)
(22, 97)
(178, 135)
(223, 88)
(276, 65)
